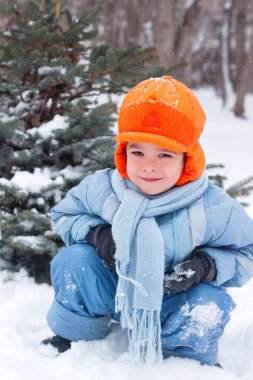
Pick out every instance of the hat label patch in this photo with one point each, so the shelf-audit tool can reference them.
(152, 121)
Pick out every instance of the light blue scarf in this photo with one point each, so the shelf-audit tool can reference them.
(140, 260)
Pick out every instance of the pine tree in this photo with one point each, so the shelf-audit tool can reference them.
(239, 190)
(56, 118)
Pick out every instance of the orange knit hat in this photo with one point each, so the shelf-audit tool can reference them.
(165, 112)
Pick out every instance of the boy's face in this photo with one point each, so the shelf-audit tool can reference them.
(151, 168)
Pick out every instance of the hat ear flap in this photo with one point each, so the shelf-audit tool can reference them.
(120, 159)
(194, 165)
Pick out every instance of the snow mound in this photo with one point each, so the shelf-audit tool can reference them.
(24, 305)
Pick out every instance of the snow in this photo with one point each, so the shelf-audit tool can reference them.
(202, 318)
(22, 327)
(31, 242)
(24, 304)
(49, 70)
(70, 172)
(34, 182)
(46, 129)
(21, 107)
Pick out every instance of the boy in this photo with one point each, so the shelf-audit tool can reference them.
(153, 243)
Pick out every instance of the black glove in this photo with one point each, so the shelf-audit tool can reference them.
(100, 237)
(199, 268)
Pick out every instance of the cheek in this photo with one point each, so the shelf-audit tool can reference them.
(175, 169)
(180, 168)
(182, 163)
(129, 165)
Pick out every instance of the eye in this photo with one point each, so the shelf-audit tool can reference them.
(137, 153)
(165, 155)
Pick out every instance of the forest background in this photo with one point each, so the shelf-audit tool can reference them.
(214, 39)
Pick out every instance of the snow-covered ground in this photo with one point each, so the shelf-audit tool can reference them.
(23, 304)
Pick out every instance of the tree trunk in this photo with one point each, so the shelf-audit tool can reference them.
(187, 34)
(228, 94)
(165, 27)
(240, 8)
(244, 81)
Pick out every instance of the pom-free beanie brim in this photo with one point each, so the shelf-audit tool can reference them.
(160, 140)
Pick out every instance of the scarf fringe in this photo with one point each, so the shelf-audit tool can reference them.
(121, 300)
(144, 328)
(145, 336)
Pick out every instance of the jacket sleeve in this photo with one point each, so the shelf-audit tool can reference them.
(232, 249)
(73, 216)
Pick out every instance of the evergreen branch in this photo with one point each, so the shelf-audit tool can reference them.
(121, 66)
(103, 73)
(240, 188)
(176, 67)
(241, 183)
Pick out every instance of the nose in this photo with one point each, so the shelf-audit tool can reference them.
(149, 166)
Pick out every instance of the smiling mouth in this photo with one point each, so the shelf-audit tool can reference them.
(150, 179)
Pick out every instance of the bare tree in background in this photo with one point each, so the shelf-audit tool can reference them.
(244, 55)
(165, 29)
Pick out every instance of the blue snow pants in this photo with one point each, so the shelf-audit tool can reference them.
(192, 321)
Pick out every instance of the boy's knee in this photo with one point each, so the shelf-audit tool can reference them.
(79, 277)
(199, 320)
(75, 257)
(206, 294)
(205, 315)
(77, 263)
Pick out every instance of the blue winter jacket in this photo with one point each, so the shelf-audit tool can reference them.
(215, 224)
